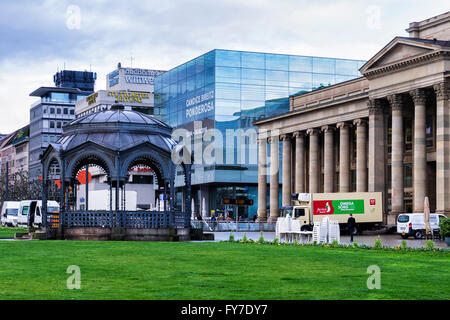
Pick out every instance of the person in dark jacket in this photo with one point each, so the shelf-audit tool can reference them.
(351, 223)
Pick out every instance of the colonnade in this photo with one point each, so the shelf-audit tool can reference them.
(371, 155)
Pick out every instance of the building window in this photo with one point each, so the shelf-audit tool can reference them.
(52, 124)
(72, 112)
(66, 111)
(408, 174)
(58, 110)
(58, 124)
(430, 130)
(52, 110)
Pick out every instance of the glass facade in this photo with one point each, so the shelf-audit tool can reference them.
(229, 90)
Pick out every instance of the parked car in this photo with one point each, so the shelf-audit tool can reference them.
(32, 209)
(10, 211)
(413, 224)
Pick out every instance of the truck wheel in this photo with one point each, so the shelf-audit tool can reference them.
(306, 228)
(418, 234)
(404, 236)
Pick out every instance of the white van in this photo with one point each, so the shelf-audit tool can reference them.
(413, 224)
(10, 211)
(32, 209)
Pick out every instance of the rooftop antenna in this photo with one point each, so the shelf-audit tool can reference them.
(64, 65)
(131, 60)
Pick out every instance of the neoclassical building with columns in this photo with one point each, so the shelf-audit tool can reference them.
(387, 131)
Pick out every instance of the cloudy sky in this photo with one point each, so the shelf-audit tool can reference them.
(39, 37)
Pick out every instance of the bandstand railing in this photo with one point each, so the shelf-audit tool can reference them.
(126, 219)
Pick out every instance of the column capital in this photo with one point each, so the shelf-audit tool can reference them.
(298, 134)
(285, 137)
(360, 122)
(342, 125)
(312, 132)
(327, 129)
(261, 140)
(418, 96)
(442, 90)
(273, 139)
(375, 106)
(396, 101)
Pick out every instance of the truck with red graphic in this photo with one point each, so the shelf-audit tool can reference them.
(366, 208)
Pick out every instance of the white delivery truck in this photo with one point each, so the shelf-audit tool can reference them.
(100, 200)
(32, 209)
(366, 208)
(413, 224)
(10, 212)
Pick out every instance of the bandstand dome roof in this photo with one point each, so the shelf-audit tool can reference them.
(116, 129)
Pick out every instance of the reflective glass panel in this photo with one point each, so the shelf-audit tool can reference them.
(301, 64)
(228, 58)
(253, 60)
(323, 65)
(277, 62)
(227, 74)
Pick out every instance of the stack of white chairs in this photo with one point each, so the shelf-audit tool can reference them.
(324, 230)
(285, 228)
(334, 232)
(316, 232)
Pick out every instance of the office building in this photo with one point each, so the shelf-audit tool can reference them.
(228, 90)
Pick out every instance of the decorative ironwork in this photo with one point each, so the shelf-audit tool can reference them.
(126, 219)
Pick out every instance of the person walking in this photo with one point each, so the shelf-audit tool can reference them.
(351, 223)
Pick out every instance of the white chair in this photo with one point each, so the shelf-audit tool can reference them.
(316, 232)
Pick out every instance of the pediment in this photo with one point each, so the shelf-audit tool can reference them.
(398, 53)
(398, 50)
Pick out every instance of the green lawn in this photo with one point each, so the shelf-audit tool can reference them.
(8, 233)
(162, 270)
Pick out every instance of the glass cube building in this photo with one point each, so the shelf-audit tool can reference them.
(228, 90)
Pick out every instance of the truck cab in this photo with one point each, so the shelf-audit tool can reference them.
(300, 213)
(30, 212)
(10, 212)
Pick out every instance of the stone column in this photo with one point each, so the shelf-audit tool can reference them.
(344, 157)
(262, 179)
(376, 160)
(299, 162)
(443, 147)
(420, 150)
(286, 173)
(328, 166)
(396, 102)
(361, 159)
(313, 160)
(274, 178)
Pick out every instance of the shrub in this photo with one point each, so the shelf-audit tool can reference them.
(275, 241)
(444, 226)
(245, 239)
(429, 244)
(355, 244)
(377, 244)
(335, 243)
(261, 238)
(231, 238)
(295, 242)
(404, 244)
